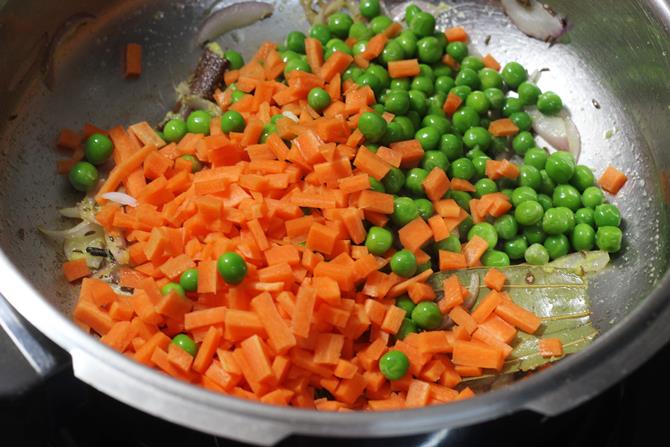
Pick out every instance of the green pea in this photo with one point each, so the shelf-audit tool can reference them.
(337, 45)
(560, 167)
(408, 42)
(436, 105)
(405, 303)
(428, 137)
(516, 247)
(173, 287)
(469, 77)
(434, 159)
(427, 315)
(466, 225)
(288, 55)
(485, 231)
(429, 50)
(232, 268)
(567, 196)
(557, 246)
(422, 24)
(189, 280)
(585, 216)
(379, 24)
(536, 157)
(318, 99)
(403, 263)
(370, 80)
(479, 164)
(425, 208)
(352, 73)
(477, 137)
(506, 226)
(360, 32)
(478, 101)
(457, 50)
(321, 33)
(582, 178)
(485, 186)
(528, 93)
(439, 122)
(534, 234)
(376, 185)
(465, 118)
(512, 106)
(235, 59)
(297, 65)
(397, 102)
(514, 74)
(529, 212)
(393, 365)
(295, 41)
(462, 91)
(523, 194)
(83, 176)
(609, 239)
(198, 122)
(548, 184)
(530, 176)
(522, 120)
(369, 8)
(583, 237)
(339, 24)
(393, 181)
(378, 241)
(450, 243)
(507, 191)
(378, 109)
(236, 96)
(186, 343)
(462, 168)
(490, 78)
(592, 196)
(472, 62)
(607, 215)
(452, 146)
(536, 254)
(174, 130)
(372, 126)
(406, 125)
(404, 211)
(549, 103)
(98, 148)
(401, 84)
(545, 201)
(414, 181)
(496, 98)
(232, 121)
(407, 327)
(392, 52)
(443, 84)
(556, 221)
(442, 70)
(195, 163)
(423, 84)
(495, 258)
(417, 101)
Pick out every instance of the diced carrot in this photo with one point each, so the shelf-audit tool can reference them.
(550, 347)
(133, 60)
(417, 394)
(451, 261)
(459, 184)
(207, 350)
(491, 62)
(415, 234)
(474, 250)
(486, 307)
(336, 63)
(436, 184)
(371, 164)
(468, 353)
(377, 202)
(612, 180)
(456, 34)
(420, 292)
(518, 316)
(393, 319)
(462, 318)
(495, 279)
(503, 127)
(76, 269)
(452, 103)
(281, 337)
(411, 150)
(404, 69)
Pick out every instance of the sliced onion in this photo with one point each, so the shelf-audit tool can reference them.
(72, 212)
(473, 292)
(559, 131)
(120, 198)
(290, 115)
(79, 230)
(237, 15)
(535, 19)
(583, 261)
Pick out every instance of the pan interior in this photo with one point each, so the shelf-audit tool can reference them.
(624, 72)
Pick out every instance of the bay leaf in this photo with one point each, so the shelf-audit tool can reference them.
(558, 296)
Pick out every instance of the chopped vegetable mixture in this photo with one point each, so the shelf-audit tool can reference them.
(277, 245)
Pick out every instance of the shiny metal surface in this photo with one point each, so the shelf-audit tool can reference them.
(617, 54)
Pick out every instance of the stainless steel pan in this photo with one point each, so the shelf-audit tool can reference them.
(617, 54)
